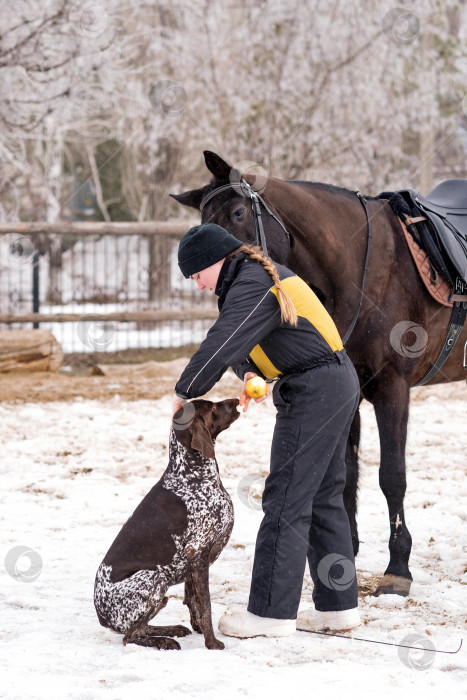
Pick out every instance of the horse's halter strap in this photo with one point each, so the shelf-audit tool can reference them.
(255, 205)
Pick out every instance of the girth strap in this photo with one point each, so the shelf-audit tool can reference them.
(456, 323)
(365, 268)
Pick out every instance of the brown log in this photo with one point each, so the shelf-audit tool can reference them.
(30, 351)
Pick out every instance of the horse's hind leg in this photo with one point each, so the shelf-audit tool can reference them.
(391, 403)
(351, 486)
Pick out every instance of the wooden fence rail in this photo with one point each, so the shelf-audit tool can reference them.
(157, 325)
(101, 228)
(193, 314)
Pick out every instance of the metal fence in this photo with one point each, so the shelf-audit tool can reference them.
(101, 286)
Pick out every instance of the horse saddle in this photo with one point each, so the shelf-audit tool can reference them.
(441, 219)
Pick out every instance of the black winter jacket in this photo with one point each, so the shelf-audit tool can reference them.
(248, 334)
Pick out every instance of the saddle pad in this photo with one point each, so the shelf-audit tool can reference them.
(439, 290)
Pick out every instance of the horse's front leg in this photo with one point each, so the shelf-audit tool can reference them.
(391, 404)
(351, 484)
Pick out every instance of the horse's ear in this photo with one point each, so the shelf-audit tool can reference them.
(217, 165)
(192, 198)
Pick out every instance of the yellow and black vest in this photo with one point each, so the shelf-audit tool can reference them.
(249, 335)
(313, 319)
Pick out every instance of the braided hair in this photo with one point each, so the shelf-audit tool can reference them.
(288, 310)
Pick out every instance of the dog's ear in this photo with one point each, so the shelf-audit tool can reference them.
(201, 439)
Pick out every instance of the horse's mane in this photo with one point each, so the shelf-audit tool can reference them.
(332, 189)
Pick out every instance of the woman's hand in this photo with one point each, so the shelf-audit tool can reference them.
(244, 398)
(177, 403)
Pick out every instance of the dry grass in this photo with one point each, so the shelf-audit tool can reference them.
(102, 378)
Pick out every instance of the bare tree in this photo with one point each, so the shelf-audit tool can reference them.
(332, 91)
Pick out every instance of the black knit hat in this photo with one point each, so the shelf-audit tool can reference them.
(204, 245)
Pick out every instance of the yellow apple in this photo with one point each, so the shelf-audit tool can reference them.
(256, 387)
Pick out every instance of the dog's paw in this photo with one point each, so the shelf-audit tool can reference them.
(166, 643)
(179, 631)
(214, 643)
(155, 642)
(166, 631)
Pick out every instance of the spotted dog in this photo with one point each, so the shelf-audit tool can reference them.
(175, 534)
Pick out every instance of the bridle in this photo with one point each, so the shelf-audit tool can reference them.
(256, 202)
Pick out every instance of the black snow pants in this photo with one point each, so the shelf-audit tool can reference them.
(304, 514)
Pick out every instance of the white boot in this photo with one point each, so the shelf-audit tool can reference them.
(235, 608)
(245, 624)
(335, 620)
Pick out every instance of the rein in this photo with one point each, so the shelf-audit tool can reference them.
(257, 200)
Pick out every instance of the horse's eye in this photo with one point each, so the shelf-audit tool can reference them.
(238, 213)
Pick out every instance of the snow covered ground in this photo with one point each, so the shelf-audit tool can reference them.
(72, 473)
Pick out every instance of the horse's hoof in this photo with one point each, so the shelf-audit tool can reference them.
(395, 585)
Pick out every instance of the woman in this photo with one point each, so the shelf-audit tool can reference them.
(271, 324)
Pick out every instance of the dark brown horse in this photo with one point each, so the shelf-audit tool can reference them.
(399, 329)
